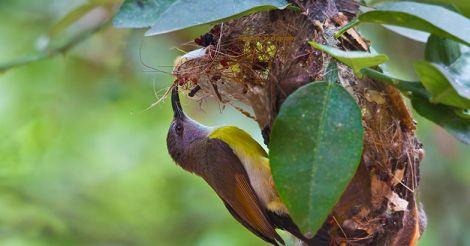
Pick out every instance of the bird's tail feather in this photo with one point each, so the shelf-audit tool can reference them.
(284, 222)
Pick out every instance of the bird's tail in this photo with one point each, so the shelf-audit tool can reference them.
(322, 238)
(284, 222)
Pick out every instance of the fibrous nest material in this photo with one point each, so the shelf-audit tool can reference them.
(256, 65)
(260, 59)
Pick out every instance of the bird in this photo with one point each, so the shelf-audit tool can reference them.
(237, 168)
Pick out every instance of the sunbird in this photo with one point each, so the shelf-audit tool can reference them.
(237, 168)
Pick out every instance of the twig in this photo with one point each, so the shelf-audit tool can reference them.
(53, 51)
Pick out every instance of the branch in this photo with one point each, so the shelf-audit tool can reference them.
(53, 51)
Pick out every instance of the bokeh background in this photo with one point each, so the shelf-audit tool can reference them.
(83, 158)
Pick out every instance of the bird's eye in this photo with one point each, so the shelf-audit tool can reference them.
(179, 128)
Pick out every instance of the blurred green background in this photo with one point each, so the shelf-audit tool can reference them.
(82, 162)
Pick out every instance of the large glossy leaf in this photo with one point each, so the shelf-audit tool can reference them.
(462, 6)
(140, 13)
(447, 86)
(409, 33)
(425, 17)
(453, 120)
(187, 13)
(441, 50)
(357, 60)
(460, 72)
(315, 148)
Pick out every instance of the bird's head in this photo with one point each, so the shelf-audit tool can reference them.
(184, 133)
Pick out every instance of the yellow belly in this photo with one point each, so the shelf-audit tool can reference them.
(255, 161)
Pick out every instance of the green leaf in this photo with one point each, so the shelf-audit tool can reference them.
(441, 50)
(346, 27)
(425, 17)
(357, 60)
(188, 13)
(460, 72)
(462, 6)
(408, 88)
(140, 13)
(450, 87)
(453, 120)
(315, 148)
(412, 34)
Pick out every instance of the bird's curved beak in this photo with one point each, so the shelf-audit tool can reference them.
(176, 104)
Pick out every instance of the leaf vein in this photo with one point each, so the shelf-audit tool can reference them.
(317, 139)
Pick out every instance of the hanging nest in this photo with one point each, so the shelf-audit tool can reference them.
(257, 60)
(260, 59)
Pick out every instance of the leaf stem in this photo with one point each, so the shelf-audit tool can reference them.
(406, 87)
(346, 27)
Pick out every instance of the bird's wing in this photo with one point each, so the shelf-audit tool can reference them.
(226, 175)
